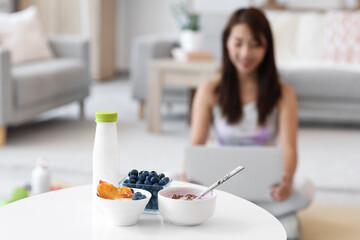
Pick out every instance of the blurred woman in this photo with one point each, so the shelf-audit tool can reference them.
(247, 103)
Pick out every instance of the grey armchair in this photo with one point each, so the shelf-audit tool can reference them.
(31, 88)
(143, 50)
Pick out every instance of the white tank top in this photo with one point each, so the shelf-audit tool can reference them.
(246, 131)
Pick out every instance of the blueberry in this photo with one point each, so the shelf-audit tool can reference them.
(132, 181)
(161, 175)
(135, 198)
(133, 177)
(154, 180)
(162, 182)
(146, 173)
(166, 179)
(143, 197)
(155, 193)
(147, 178)
(155, 185)
(126, 181)
(134, 172)
(147, 182)
(153, 173)
(132, 190)
(138, 194)
(141, 172)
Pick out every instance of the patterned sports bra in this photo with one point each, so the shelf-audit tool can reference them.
(246, 131)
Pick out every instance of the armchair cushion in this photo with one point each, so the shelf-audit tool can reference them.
(38, 81)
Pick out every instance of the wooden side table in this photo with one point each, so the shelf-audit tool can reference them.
(168, 71)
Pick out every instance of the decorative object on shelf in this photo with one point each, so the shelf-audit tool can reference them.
(198, 55)
(188, 21)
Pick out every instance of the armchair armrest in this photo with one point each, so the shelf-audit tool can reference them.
(71, 46)
(5, 86)
(144, 49)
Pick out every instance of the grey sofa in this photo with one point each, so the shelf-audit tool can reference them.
(31, 88)
(326, 92)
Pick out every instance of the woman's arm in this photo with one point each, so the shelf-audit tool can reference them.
(288, 128)
(201, 113)
(201, 116)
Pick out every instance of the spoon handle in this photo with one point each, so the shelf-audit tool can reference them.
(222, 180)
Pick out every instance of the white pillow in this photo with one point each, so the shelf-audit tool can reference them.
(21, 33)
(283, 26)
(310, 37)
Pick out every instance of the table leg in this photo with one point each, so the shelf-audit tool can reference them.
(192, 92)
(155, 98)
(141, 109)
(2, 135)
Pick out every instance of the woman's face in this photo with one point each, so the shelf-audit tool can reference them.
(244, 51)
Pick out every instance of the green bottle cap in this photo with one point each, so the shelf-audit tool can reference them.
(106, 116)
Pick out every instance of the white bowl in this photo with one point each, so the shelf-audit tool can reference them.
(124, 212)
(186, 212)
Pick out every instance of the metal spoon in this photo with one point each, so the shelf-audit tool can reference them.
(221, 181)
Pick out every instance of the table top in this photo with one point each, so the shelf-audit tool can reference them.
(200, 65)
(67, 214)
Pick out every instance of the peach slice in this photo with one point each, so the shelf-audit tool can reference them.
(124, 192)
(109, 191)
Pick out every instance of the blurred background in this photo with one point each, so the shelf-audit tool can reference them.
(63, 60)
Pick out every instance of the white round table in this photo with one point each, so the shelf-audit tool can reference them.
(67, 214)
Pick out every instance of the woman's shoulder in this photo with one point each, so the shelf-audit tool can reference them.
(211, 84)
(207, 90)
(287, 90)
(288, 94)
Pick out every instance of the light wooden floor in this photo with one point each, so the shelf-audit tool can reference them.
(330, 222)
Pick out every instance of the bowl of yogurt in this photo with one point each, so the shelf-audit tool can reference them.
(179, 205)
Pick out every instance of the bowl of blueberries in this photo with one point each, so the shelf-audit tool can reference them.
(150, 181)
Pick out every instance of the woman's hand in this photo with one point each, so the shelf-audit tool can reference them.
(282, 191)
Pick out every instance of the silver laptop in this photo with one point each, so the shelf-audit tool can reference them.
(263, 169)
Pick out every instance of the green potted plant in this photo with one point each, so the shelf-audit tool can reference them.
(188, 22)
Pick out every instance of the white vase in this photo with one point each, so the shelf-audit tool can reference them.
(190, 40)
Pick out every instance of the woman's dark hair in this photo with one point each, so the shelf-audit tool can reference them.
(269, 89)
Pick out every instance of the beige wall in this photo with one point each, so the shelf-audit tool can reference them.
(102, 32)
(57, 16)
(140, 17)
(69, 17)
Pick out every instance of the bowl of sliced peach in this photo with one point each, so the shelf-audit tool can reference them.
(122, 206)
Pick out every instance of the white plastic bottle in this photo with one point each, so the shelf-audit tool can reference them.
(40, 177)
(106, 162)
